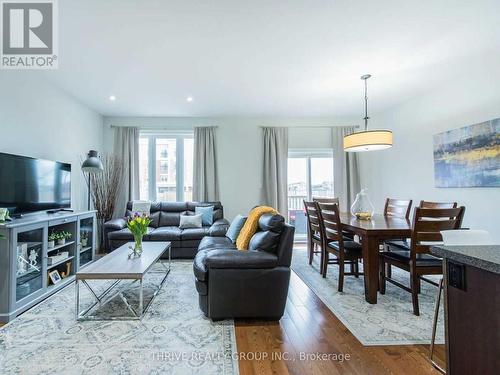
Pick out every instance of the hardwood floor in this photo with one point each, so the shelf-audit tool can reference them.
(308, 326)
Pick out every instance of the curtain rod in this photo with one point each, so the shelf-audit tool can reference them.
(162, 127)
(311, 127)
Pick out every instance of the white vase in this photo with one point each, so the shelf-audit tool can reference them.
(51, 244)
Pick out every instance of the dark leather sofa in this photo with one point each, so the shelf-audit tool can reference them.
(165, 218)
(246, 284)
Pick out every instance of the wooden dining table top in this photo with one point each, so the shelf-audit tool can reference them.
(387, 225)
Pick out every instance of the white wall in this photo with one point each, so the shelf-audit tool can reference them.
(41, 121)
(407, 170)
(239, 148)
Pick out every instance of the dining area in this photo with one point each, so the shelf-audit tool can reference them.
(376, 243)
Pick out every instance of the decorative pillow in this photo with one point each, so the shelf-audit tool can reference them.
(141, 207)
(207, 214)
(235, 227)
(190, 221)
(251, 225)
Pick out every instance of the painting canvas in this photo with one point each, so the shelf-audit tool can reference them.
(469, 156)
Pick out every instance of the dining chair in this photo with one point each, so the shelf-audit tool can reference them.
(325, 200)
(404, 244)
(426, 227)
(344, 250)
(397, 207)
(314, 240)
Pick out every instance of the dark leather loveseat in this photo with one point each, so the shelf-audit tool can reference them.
(165, 218)
(246, 284)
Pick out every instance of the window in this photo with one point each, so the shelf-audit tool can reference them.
(310, 174)
(166, 166)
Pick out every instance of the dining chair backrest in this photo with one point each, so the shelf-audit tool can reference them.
(427, 225)
(325, 200)
(331, 227)
(312, 217)
(428, 204)
(397, 207)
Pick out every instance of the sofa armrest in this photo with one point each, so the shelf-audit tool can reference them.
(115, 224)
(219, 228)
(237, 259)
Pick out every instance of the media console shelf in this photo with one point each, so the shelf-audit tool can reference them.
(25, 254)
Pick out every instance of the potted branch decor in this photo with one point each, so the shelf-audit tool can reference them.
(105, 188)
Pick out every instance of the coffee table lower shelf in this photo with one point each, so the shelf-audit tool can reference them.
(113, 291)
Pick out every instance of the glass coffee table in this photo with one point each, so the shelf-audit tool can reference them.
(117, 266)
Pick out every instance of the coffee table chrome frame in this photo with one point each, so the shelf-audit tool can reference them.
(101, 300)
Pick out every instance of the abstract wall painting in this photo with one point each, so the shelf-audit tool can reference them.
(469, 156)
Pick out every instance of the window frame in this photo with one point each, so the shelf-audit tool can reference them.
(179, 137)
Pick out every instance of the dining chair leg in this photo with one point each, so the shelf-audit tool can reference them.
(341, 274)
(326, 259)
(351, 266)
(356, 269)
(310, 249)
(434, 327)
(414, 292)
(388, 270)
(381, 281)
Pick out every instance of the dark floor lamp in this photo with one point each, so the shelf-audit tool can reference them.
(91, 165)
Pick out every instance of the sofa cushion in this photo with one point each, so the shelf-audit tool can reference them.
(265, 241)
(271, 222)
(169, 219)
(215, 243)
(126, 234)
(166, 234)
(194, 233)
(251, 226)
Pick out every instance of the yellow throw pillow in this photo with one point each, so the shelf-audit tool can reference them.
(251, 226)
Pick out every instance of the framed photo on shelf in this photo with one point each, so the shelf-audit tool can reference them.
(54, 277)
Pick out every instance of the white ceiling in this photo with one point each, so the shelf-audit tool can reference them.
(266, 57)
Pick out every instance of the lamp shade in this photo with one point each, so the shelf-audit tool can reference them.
(369, 140)
(92, 164)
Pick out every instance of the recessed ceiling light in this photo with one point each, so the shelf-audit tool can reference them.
(112, 98)
(189, 99)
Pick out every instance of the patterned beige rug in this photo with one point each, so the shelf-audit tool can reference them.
(389, 322)
(173, 338)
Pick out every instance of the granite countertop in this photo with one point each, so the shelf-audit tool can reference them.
(486, 257)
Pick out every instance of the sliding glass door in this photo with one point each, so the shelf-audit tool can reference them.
(310, 174)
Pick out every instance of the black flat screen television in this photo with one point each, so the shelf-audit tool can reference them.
(30, 185)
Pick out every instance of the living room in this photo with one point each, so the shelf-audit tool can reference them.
(182, 183)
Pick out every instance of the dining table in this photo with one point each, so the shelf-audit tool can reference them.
(372, 233)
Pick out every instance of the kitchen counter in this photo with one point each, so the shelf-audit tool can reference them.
(486, 257)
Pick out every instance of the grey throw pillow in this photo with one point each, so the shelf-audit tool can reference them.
(190, 221)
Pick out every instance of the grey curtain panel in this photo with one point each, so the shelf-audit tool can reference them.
(274, 178)
(345, 169)
(205, 174)
(126, 148)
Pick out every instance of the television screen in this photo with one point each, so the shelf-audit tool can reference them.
(29, 185)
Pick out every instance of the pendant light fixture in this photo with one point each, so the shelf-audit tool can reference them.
(367, 140)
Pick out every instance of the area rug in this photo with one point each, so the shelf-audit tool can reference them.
(174, 337)
(389, 322)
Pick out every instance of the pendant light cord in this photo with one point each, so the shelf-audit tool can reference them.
(366, 104)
